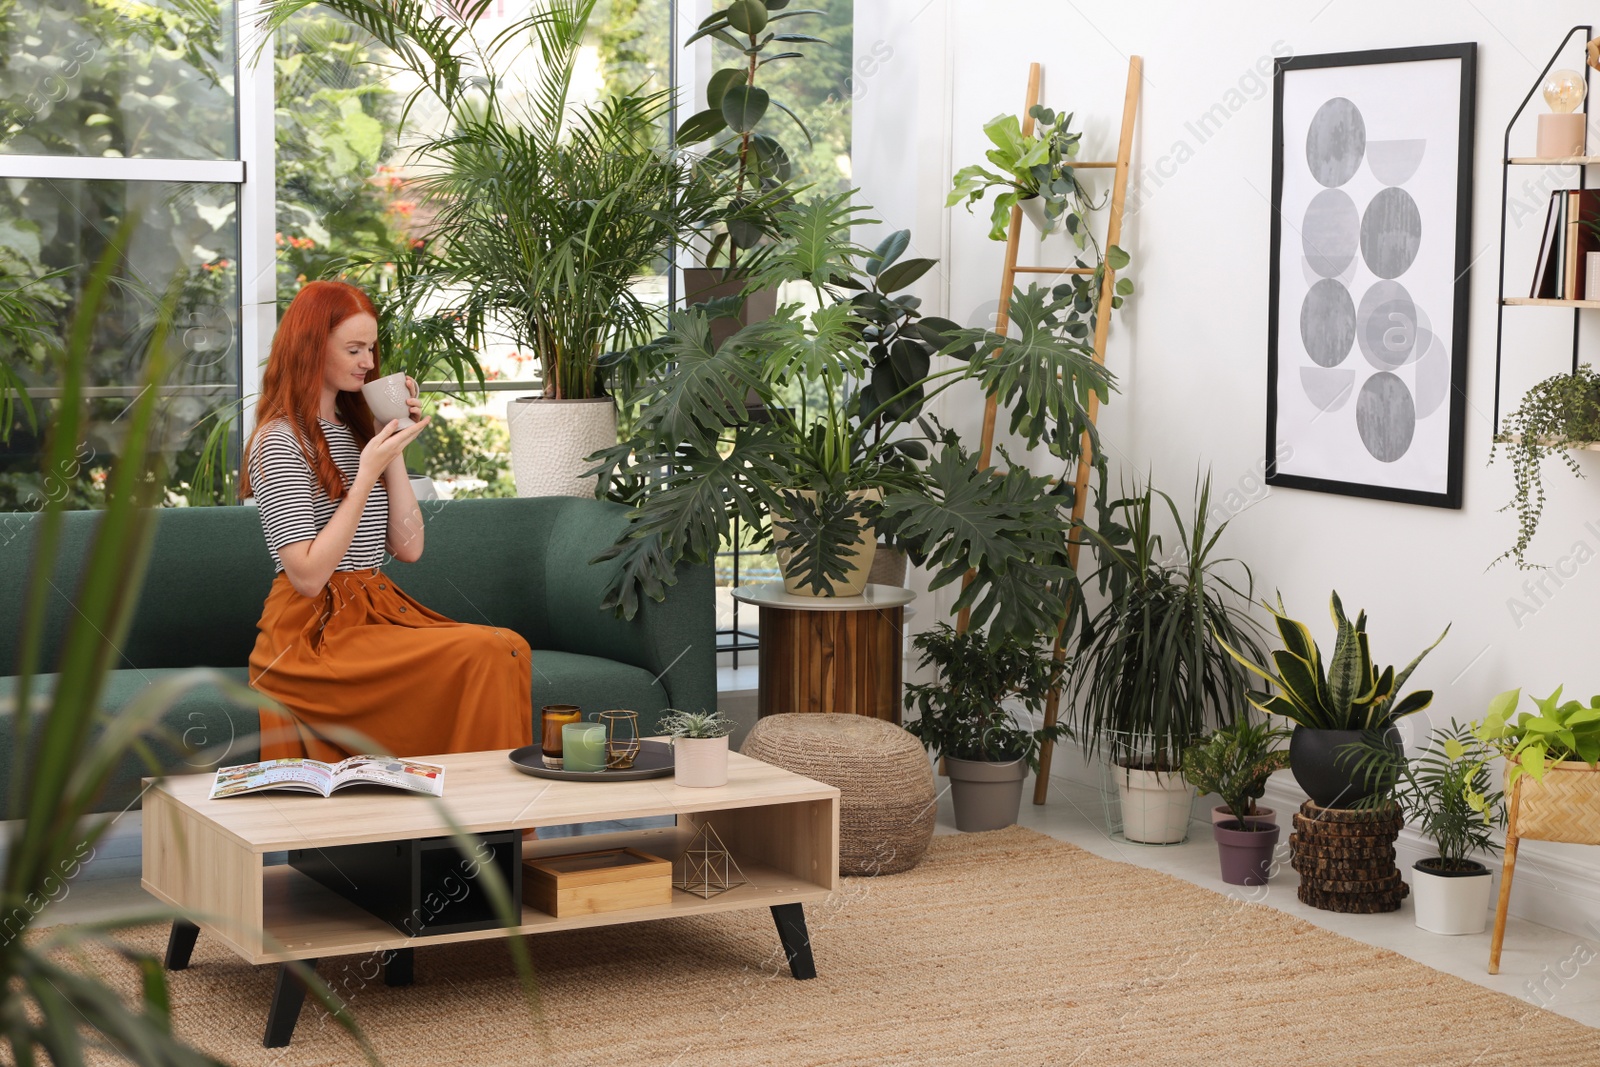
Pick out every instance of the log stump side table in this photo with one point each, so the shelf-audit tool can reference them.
(830, 654)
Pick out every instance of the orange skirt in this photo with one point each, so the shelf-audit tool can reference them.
(364, 668)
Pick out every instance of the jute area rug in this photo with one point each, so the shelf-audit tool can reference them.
(1000, 948)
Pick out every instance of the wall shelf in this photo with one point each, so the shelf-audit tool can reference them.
(1583, 34)
(1555, 161)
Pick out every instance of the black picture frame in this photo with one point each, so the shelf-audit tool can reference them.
(1466, 54)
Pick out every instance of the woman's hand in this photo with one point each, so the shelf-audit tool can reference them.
(386, 446)
(414, 401)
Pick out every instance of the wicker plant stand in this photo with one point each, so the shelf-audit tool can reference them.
(1562, 806)
(1345, 857)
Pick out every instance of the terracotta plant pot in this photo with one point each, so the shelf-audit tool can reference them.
(700, 762)
(1261, 816)
(1451, 902)
(861, 554)
(1245, 855)
(987, 796)
(1155, 805)
(1325, 771)
(550, 438)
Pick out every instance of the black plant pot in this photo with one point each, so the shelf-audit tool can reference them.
(1328, 773)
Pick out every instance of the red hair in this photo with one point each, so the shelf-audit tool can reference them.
(291, 388)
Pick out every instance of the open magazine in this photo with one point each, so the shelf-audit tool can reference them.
(315, 776)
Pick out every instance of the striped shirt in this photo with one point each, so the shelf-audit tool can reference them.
(294, 506)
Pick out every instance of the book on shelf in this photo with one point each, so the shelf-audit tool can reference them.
(1545, 282)
(1560, 272)
(314, 776)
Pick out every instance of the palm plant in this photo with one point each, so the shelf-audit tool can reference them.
(698, 459)
(27, 335)
(543, 211)
(1350, 694)
(1151, 665)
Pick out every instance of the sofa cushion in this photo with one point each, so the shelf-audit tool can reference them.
(596, 684)
(201, 731)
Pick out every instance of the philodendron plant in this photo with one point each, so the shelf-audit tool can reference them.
(1030, 165)
(1351, 693)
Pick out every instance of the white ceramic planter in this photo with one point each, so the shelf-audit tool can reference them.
(422, 487)
(1033, 208)
(1155, 806)
(550, 438)
(700, 762)
(1451, 904)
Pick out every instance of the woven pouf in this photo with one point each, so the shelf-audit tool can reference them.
(885, 783)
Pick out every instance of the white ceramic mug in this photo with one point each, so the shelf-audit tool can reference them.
(386, 397)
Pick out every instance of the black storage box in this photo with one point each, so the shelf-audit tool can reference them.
(423, 886)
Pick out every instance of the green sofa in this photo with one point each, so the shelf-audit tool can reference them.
(518, 563)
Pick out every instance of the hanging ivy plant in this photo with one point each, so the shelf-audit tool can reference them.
(1560, 413)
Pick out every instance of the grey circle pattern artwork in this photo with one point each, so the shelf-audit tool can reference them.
(1391, 232)
(1386, 325)
(1394, 162)
(1331, 232)
(1386, 418)
(1328, 323)
(1336, 141)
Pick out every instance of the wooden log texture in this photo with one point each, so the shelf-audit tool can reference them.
(832, 661)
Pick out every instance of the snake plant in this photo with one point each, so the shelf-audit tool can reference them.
(1351, 694)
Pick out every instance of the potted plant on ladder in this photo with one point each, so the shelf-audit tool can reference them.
(962, 716)
(1150, 668)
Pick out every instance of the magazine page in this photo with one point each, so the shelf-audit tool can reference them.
(304, 775)
(390, 771)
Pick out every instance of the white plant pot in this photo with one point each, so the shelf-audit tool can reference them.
(550, 438)
(1033, 208)
(1155, 805)
(1591, 278)
(1451, 904)
(423, 488)
(700, 762)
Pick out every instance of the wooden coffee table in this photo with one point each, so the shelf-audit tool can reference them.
(206, 857)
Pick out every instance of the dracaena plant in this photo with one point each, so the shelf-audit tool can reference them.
(736, 123)
(1351, 693)
(842, 387)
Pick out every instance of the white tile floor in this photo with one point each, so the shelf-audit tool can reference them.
(1550, 968)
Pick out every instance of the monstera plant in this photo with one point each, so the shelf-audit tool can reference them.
(843, 442)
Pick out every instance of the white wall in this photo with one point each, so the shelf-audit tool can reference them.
(1190, 348)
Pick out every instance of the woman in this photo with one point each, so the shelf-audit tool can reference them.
(360, 665)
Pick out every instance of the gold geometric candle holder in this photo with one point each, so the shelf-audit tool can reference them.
(622, 738)
(706, 868)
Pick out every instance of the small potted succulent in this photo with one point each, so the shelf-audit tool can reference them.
(987, 754)
(1448, 792)
(1335, 708)
(1235, 762)
(699, 746)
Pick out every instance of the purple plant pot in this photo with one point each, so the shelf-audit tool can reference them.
(1246, 855)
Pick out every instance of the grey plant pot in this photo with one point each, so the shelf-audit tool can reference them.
(987, 796)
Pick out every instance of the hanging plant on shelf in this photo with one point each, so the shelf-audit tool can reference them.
(1560, 413)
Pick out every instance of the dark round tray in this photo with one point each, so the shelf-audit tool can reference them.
(653, 761)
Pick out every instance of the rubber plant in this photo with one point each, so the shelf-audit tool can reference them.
(736, 122)
(841, 387)
(1556, 415)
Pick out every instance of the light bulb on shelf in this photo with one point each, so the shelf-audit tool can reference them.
(1561, 132)
(1564, 91)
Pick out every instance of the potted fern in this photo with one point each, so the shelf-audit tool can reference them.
(1448, 792)
(1558, 414)
(1335, 709)
(962, 716)
(1150, 668)
(1235, 763)
(699, 746)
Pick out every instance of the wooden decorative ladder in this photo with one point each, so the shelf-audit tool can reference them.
(1008, 280)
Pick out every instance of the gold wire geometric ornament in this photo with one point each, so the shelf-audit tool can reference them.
(706, 868)
(622, 738)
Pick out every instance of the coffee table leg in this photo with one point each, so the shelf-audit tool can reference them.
(791, 920)
(287, 997)
(398, 966)
(180, 944)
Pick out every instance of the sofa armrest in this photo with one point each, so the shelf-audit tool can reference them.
(675, 640)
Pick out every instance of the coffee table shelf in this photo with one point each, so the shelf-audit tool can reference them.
(207, 857)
